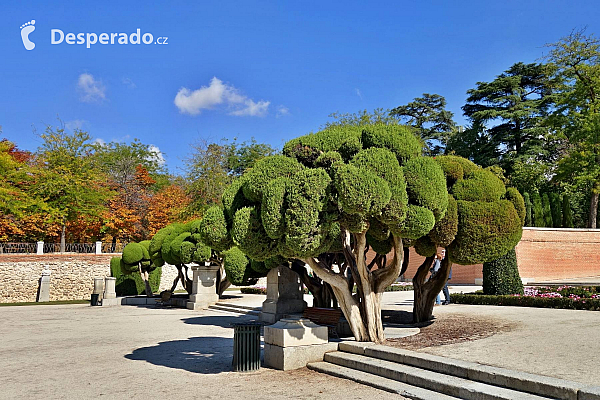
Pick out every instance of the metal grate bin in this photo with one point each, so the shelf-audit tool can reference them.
(246, 347)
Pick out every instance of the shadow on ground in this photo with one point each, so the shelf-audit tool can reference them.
(224, 321)
(399, 317)
(204, 355)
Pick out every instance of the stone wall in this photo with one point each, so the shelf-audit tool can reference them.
(72, 275)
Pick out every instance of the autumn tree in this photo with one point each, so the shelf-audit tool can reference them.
(70, 181)
(211, 167)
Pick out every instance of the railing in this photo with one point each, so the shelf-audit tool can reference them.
(70, 248)
(46, 248)
(18, 248)
(113, 247)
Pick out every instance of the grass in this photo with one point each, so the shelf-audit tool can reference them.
(45, 303)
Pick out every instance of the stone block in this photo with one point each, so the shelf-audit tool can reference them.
(109, 288)
(589, 393)
(111, 302)
(44, 293)
(284, 295)
(204, 287)
(287, 358)
(295, 332)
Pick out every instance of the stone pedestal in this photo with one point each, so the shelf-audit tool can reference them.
(39, 248)
(292, 343)
(44, 293)
(204, 287)
(109, 297)
(98, 247)
(284, 295)
(99, 287)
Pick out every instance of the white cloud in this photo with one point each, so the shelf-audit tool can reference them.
(75, 124)
(217, 93)
(129, 83)
(282, 111)
(91, 90)
(358, 93)
(158, 155)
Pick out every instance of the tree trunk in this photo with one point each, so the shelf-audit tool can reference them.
(425, 292)
(145, 275)
(63, 237)
(322, 292)
(113, 244)
(594, 206)
(175, 282)
(363, 310)
(222, 282)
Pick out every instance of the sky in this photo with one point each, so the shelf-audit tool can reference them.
(268, 70)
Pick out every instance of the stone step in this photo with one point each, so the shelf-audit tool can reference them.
(379, 382)
(434, 381)
(521, 381)
(220, 303)
(234, 310)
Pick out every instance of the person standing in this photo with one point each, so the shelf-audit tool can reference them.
(435, 267)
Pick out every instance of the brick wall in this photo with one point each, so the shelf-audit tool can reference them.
(72, 275)
(552, 254)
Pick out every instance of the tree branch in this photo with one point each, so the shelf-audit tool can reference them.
(386, 276)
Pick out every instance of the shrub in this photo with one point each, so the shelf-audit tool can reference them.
(132, 284)
(397, 138)
(480, 185)
(526, 301)
(426, 185)
(538, 210)
(133, 253)
(501, 276)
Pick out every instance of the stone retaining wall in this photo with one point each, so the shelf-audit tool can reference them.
(72, 275)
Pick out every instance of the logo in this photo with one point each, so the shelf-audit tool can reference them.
(26, 29)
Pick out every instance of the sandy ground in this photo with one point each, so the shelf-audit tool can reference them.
(82, 352)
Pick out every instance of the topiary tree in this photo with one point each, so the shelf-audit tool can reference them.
(484, 221)
(538, 210)
(567, 213)
(501, 276)
(528, 210)
(132, 283)
(337, 193)
(136, 258)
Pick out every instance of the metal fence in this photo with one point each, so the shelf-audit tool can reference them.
(18, 248)
(80, 248)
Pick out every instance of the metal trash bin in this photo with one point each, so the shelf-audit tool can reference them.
(95, 299)
(246, 347)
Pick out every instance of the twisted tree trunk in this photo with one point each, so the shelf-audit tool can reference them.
(425, 292)
(362, 310)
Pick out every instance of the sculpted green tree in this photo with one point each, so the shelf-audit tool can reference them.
(184, 244)
(482, 223)
(136, 258)
(336, 193)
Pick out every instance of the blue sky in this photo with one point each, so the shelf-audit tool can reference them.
(271, 70)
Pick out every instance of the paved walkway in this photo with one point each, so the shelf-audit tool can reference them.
(128, 352)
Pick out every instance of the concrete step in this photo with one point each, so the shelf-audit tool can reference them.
(234, 310)
(433, 381)
(233, 305)
(515, 380)
(379, 382)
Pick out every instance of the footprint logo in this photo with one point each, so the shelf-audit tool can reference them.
(26, 29)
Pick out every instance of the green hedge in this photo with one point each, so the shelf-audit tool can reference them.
(132, 285)
(526, 301)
